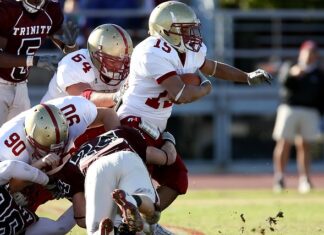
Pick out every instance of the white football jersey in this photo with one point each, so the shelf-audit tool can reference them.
(151, 60)
(75, 67)
(79, 111)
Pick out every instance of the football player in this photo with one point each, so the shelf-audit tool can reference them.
(174, 47)
(112, 164)
(43, 136)
(24, 25)
(95, 72)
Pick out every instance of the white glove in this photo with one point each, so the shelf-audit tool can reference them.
(20, 199)
(49, 62)
(258, 76)
(51, 159)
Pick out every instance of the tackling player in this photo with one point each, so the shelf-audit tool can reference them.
(24, 26)
(113, 160)
(174, 47)
(44, 135)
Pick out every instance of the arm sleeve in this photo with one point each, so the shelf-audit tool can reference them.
(20, 170)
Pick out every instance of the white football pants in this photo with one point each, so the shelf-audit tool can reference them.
(121, 170)
(14, 99)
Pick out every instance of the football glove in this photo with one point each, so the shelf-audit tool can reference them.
(258, 76)
(70, 33)
(48, 62)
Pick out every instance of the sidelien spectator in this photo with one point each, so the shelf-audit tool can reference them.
(298, 115)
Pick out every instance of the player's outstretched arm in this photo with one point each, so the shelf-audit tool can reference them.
(100, 99)
(19, 174)
(224, 71)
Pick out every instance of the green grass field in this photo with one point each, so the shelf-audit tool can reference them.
(235, 212)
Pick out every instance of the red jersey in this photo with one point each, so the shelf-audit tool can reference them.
(26, 32)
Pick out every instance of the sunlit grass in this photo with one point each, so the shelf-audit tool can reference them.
(235, 212)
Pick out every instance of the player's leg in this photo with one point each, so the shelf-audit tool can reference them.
(135, 191)
(100, 181)
(6, 97)
(21, 101)
(173, 181)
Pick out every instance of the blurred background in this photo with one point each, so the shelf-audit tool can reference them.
(231, 129)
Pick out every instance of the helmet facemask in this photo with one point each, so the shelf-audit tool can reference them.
(113, 69)
(33, 7)
(178, 24)
(187, 34)
(41, 151)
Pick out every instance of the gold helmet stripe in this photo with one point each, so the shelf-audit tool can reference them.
(124, 38)
(57, 130)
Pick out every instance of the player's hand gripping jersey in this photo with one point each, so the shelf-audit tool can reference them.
(74, 68)
(153, 60)
(79, 112)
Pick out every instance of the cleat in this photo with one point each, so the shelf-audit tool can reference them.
(130, 213)
(106, 226)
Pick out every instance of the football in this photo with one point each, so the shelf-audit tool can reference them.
(190, 78)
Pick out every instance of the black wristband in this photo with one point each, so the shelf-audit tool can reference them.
(79, 217)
